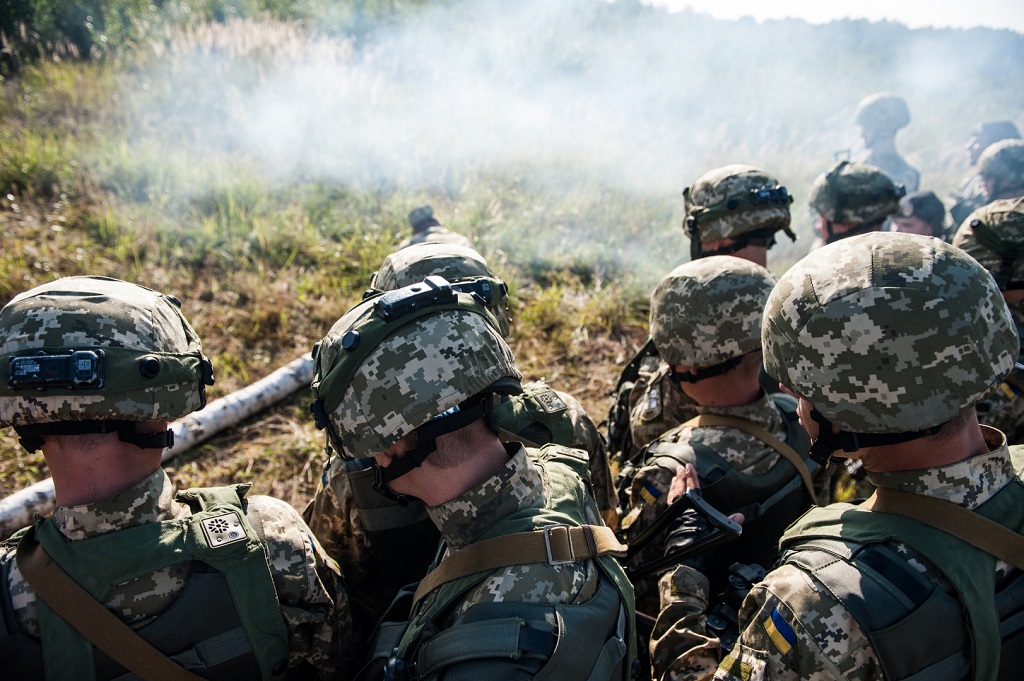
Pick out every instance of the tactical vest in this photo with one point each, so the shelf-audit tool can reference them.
(602, 636)
(225, 624)
(769, 502)
(917, 630)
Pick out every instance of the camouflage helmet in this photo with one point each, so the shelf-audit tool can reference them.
(882, 111)
(994, 236)
(888, 332)
(402, 359)
(737, 199)
(708, 311)
(98, 349)
(855, 194)
(1004, 161)
(460, 265)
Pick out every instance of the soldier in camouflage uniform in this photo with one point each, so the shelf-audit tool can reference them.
(860, 594)
(880, 116)
(364, 531)
(970, 195)
(227, 586)
(922, 213)
(1001, 168)
(706, 323)
(853, 198)
(732, 210)
(428, 229)
(994, 236)
(408, 378)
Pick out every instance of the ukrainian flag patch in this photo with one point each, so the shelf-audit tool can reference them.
(781, 634)
(649, 492)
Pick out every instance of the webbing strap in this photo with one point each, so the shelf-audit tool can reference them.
(555, 545)
(93, 621)
(790, 454)
(976, 530)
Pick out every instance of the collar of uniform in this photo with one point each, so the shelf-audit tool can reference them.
(761, 411)
(515, 486)
(151, 500)
(969, 483)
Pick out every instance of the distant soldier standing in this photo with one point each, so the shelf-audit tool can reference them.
(971, 192)
(880, 116)
(994, 236)
(924, 579)
(426, 228)
(528, 587)
(211, 583)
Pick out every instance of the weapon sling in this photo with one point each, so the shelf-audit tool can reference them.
(790, 454)
(976, 530)
(93, 621)
(555, 544)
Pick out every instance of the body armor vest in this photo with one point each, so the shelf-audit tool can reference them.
(916, 629)
(225, 624)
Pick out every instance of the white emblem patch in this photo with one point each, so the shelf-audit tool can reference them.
(550, 402)
(224, 529)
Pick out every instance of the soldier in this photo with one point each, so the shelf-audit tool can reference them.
(994, 236)
(880, 116)
(906, 584)
(409, 378)
(736, 209)
(210, 583)
(921, 213)
(749, 448)
(381, 545)
(428, 229)
(853, 198)
(1001, 168)
(971, 192)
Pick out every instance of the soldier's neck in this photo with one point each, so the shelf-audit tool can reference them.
(96, 472)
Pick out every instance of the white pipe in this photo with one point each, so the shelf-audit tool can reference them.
(17, 510)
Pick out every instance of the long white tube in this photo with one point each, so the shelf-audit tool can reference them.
(17, 510)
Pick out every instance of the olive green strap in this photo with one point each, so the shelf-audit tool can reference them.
(790, 454)
(962, 523)
(555, 545)
(93, 621)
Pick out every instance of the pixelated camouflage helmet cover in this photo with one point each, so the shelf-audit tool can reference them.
(882, 111)
(381, 374)
(1003, 161)
(709, 310)
(734, 200)
(888, 332)
(855, 193)
(140, 359)
(994, 236)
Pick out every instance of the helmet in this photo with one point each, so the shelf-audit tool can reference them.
(708, 311)
(994, 236)
(855, 194)
(882, 111)
(734, 200)
(1004, 161)
(888, 332)
(98, 349)
(461, 265)
(422, 217)
(402, 359)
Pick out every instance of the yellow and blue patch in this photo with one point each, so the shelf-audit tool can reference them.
(779, 631)
(649, 492)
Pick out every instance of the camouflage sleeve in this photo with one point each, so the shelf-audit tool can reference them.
(334, 519)
(792, 628)
(680, 646)
(314, 601)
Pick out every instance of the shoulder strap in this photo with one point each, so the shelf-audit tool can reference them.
(790, 454)
(93, 621)
(976, 530)
(555, 544)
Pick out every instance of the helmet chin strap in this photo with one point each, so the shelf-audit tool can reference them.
(827, 443)
(426, 444)
(32, 436)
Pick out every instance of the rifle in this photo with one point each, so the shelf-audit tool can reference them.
(619, 440)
